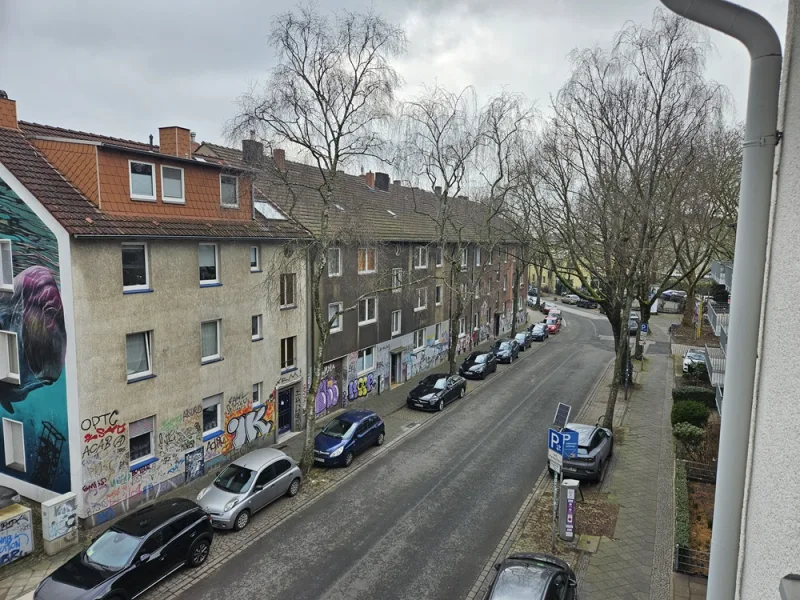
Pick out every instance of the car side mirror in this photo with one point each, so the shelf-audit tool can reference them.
(145, 558)
(258, 488)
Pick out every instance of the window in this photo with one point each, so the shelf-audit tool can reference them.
(366, 260)
(438, 331)
(14, 445)
(209, 341)
(462, 326)
(281, 467)
(172, 185)
(366, 360)
(463, 289)
(267, 474)
(138, 355)
(255, 328)
(287, 290)
(212, 414)
(489, 256)
(475, 320)
(477, 256)
(6, 267)
(9, 357)
(505, 282)
(134, 267)
(366, 311)
(229, 191)
(397, 280)
(397, 316)
(142, 180)
(463, 258)
(140, 434)
(257, 393)
(335, 309)
(419, 339)
(334, 262)
(437, 295)
(504, 253)
(288, 352)
(477, 290)
(439, 256)
(209, 255)
(255, 259)
(420, 257)
(422, 299)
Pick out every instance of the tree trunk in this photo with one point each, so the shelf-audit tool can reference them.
(688, 308)
(538, 287)
(515, 300)
(318, 343)
(620, 362)
(645, 319)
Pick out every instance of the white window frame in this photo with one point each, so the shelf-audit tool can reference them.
(368, 252)
(258, 389)
(477, 289)
(257, 267)
(421, 334)
(476, 320)
(209, 282)
(438, 295)
(462, 326)
(338, 272)
(9, 435)
(368, 320)
(148, 344)
(505, 282)
(337, 307)
(146, 457)
(438, 331)
(420, 257)
(281, 288)
(259, 335)
(146, 286)
(236, 190)
(439, 256)
(215, 400)
(422, 299)
(362, 356)
(397, 281)
(489, 257)
(9, 347)
(464, 258)
(130, 181)
(6, 279)
(477, 256)
(167, 200)
(285, 342)
(505, 254)
(399, 325)
(218, 355)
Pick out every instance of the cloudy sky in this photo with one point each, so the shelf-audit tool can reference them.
(124, 69)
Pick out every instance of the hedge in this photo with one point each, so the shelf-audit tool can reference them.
(690, 411)
(688, 434)
(681, 505)
(694, 393)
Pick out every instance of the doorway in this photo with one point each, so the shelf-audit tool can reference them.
(285, 410)
(496, 324)
(397, 369)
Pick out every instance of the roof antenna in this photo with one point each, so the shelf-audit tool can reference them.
(151, 142)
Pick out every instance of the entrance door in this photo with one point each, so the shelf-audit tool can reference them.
(285, 410)
(496, 324)
(397, 369)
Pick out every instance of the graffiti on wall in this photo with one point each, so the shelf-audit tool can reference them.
(105, 460)
(16, 534)
(328, 390)
(244, 424)
(383, 365)
(176, 436)
(34, 312)
(361, 387)
(61, 518)
(422, 359)
(194, 464)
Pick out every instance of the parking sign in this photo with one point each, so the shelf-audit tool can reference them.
(555, 449)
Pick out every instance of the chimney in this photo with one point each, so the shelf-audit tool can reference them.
(437, 190)
(8, 112)
(382, 182)
(253, 153)
(279, 158)
(370, 179)
(175, 141)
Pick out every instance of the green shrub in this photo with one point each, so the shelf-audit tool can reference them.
(694, 393)
(697, 373)
(681, 505)
(690, 411)
(688, 434)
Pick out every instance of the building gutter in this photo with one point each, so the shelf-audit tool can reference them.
(758, 155)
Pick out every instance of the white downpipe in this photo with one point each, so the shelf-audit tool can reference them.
(758, 156)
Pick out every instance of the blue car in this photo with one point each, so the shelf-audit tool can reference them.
(349, 434)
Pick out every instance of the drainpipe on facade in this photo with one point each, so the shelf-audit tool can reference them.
(761, 137)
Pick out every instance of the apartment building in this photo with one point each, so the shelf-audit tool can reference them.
(141, 340)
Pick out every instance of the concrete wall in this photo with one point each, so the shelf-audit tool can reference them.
(173, 311)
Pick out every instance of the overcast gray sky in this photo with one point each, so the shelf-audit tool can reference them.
(124, 69)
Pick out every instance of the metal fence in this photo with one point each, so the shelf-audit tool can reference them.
(697, 471)
(692, 562)
(715, 364)
(717, 315)
(718, 398)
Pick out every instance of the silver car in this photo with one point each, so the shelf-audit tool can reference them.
(595, 446)
(247, 485)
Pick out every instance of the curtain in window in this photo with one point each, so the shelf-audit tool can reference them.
(172, 182)
(208, 339)
(137, 355)
(208, 262)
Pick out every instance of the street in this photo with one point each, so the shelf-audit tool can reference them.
(421, 520)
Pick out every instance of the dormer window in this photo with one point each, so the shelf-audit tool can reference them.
(142, 180)
(229, 191)
(172, 185)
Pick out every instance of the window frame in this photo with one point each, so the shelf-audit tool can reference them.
(476, 320)
(477, 256)
(214, 431)
(338, 272)
(438, 331)
(368, 251)
(209, 282)
(462, 326)
(147, 458)
(397, 276)
(257, 267)
(438, 294)
(285, 343)
(464, 258)
(140, 287)
(421, 333)
(148, 344)
(489, 257)
(439, 256)
(218, 355)
(166, 199)
(283, 288)
(339, 319)
(258, 391)
(420, 253)
(259, 322)
(6, 247)
(11, 340)
(235, 190)
(362, 354)
(368, 321)
(141, 197)
(8, 439)
(421, 299)
(399, 329)
(505, 282)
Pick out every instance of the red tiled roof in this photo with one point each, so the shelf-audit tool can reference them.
(37, 129)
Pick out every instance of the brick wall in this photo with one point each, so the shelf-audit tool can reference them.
(8, 113)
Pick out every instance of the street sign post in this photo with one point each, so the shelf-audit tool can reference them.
(644, 327)
(555, 449)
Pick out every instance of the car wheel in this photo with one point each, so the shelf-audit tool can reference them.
(599, 477)
(348, 458)
(293, 488)
(441, 404)
(462, 392)
(510, 359)
(483, 375)
(381, 438)
(242, 519)
(198, 553)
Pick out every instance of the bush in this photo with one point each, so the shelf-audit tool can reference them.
(681, 505)
(690, 411)
(688, 434)
(698, 373)
(694, 393)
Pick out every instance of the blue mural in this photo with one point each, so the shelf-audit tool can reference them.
(35, 313)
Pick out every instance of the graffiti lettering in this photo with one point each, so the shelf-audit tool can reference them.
(327, 394)
(288, 378)
(16, 539)
(194, 464)
(358, 388)
(213, 447)
(106, 419)
(61, 518)
(192, 412)
(101, 432)
(248, 427)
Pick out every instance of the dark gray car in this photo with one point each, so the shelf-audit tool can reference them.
(595, 446)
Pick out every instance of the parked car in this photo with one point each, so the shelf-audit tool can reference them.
(546, 307)
(533, 290)
(247, 485)
(8, 496)
(539, 332)
(524, 340)
(479, 365)
(634, 314)
(533, 577)
(134, 554)
(436, 391)
(595, 447)
(633, 326)
(693, 358)
(556, 313)
(349, 434)
(673, 295)
(506, 350)
(531, 301)
(553, 325)
(583, 303)
(570, 298)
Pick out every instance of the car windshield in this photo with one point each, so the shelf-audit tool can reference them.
(338, 429)
(552, 321)
(520, 337)
(520, 581)
(235, 479)
(539, 327)
(113, 549)
(480, 359)
(695, 356)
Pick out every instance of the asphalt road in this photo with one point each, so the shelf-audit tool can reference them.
(422, 520)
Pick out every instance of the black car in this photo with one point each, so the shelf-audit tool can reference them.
(506, 350)
(479, 365)
(134, 554)
(532, 577)
(524, 339)
(583, 303)
(539, 332)
(436, 391)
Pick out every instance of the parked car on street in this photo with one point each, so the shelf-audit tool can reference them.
(595, 447)
(633, 326)
(531, 301)
(582, 303)
(247, 485)
(539, 332)
(134, 554)
(524, 340)
(478, 365)
(570, 298)
(525, 576)
(673, 295)
(546, 307)
(506, 351)
(349, 434)
(553, 325)
(692, 358)
(436, 391)
(556, 313)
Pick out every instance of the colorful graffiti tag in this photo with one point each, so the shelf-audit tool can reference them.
(16, 533)
(105, 460)
(244, 424)
(34, 312)
(361, 387)
(327, 397)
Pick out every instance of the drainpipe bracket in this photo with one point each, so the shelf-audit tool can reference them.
(767, 140)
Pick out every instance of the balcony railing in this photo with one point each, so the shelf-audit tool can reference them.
(719, 398)
(722, 273)
(717, 315)
(723, 337)
(715, 364)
